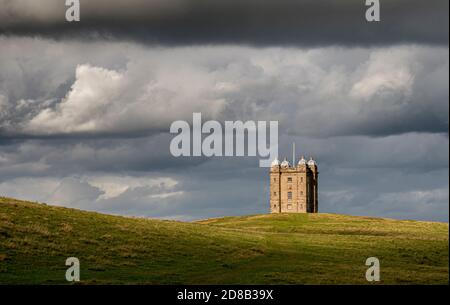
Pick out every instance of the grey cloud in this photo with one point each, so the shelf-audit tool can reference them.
(260, 22)
(312, 92)
(196, 197)
(419, 203)
(413, 152)
(57, 157)
(402, 176)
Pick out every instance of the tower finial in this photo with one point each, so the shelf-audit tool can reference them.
(293, 154)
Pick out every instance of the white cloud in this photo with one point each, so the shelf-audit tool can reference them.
(90, 191)
(94, 93)
(113, 186)
(386, 72)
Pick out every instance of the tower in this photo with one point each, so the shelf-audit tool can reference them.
(294, 188)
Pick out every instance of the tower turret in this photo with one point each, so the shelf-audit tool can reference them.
(285, 163)
(302, 161)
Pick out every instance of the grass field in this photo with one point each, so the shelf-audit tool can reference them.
(36, 239)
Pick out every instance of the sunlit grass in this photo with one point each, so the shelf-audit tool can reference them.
(36, 239)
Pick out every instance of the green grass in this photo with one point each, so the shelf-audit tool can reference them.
(36, 239)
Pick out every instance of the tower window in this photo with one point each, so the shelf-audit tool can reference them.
(289, 179)
(301, 179)
(289, 195)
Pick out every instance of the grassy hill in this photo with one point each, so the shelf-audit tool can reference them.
(36, 239)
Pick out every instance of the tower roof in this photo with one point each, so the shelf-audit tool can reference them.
(302, 161)
(275, 162)
(311, 162)
(285, 163)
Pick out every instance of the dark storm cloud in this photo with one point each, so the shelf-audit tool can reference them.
(261, 22)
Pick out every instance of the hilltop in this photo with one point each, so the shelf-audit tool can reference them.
(36, 239)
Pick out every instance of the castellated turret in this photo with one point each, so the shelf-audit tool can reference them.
(293, 188)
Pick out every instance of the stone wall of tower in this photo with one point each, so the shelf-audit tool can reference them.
(289, 187)
(275, 193)
(293, 189)
(302, 180)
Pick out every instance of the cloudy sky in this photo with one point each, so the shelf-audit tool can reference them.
(85, 107)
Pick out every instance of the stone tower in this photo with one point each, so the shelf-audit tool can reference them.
(293, 189)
